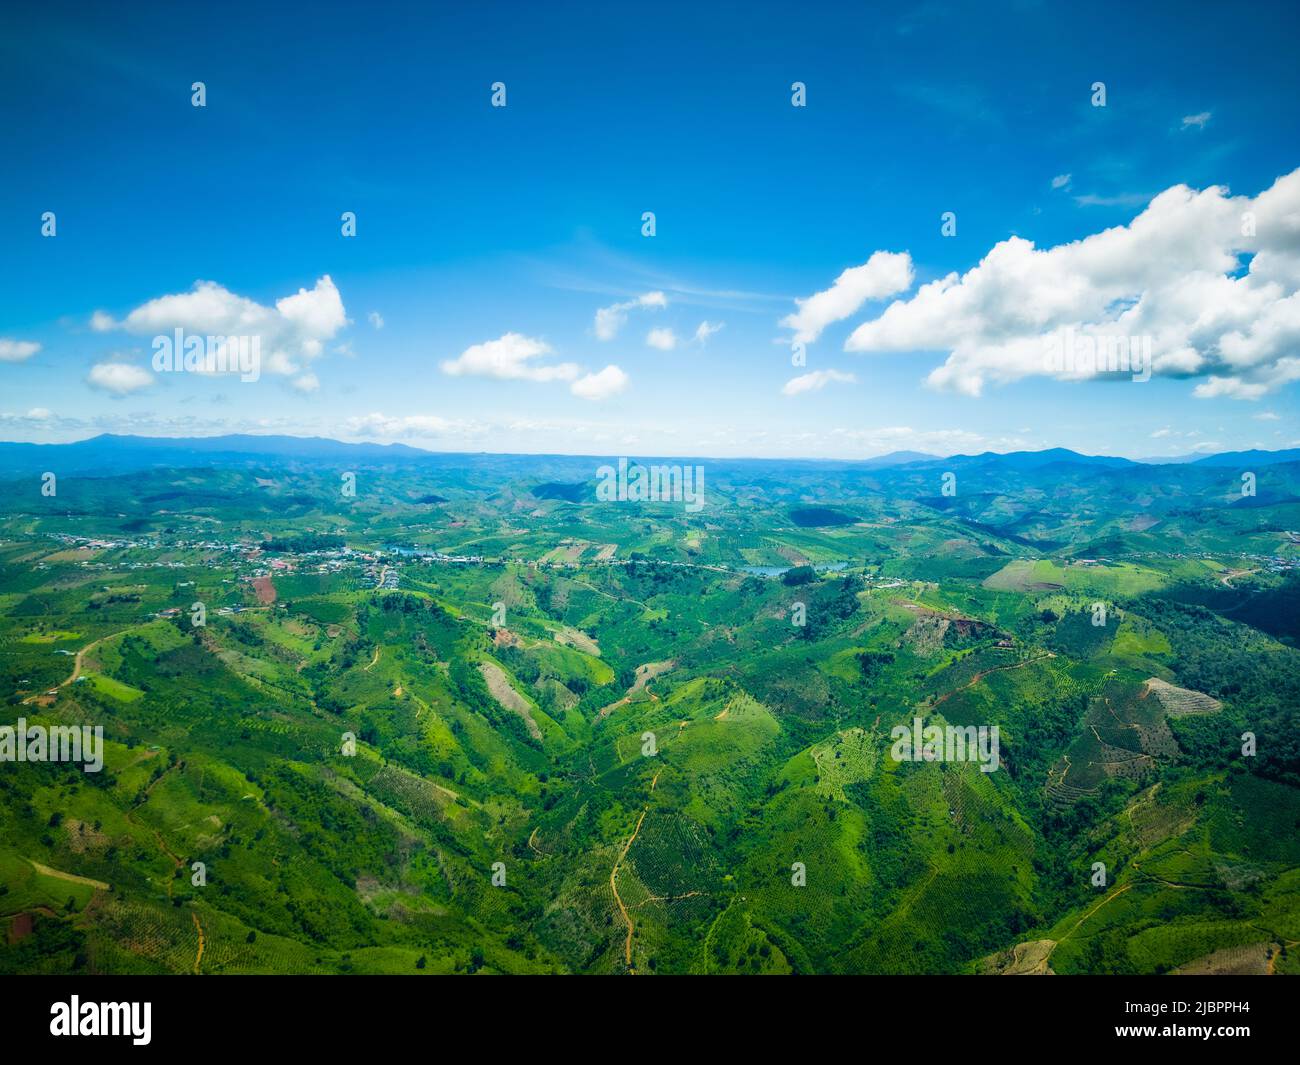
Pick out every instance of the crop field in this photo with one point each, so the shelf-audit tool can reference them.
(516, 731)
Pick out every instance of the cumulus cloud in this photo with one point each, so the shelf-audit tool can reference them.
(375, 319)
(816, 381)
(118, 378)
(1198, 121)
(17, 350)
(597, 386)
(884, 274)
(317, 312)
(292, 333)
(1216, 387)
(1061, 181)
(663, 339)
(706, 329)
(307, 382)
(609, 320)
(509, 357)
(1176, 274)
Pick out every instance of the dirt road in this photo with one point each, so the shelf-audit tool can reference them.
(613, 883)
(77, 664)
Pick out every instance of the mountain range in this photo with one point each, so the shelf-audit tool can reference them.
(118, 453)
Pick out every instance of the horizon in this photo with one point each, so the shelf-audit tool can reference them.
(797, 292)
(919, 457)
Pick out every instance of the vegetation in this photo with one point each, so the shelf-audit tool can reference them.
(601, 738)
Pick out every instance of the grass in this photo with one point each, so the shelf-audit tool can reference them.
(114, 689)
(57, 636)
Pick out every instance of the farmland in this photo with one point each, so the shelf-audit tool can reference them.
(474, 720)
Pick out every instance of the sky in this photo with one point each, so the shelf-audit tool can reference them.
(886, 267)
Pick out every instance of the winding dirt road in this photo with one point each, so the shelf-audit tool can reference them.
(77, 664)
(985, 672)
(1075, 927)
(613, 883)
(198, 958)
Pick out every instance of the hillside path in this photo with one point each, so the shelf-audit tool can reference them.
(79, 662)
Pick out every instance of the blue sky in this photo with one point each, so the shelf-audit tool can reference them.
(477, 223)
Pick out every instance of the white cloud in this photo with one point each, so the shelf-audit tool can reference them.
(291, 333)
(509, 358)
(1266, 416)
(375, 319)
(597, 386)
(317, 312)
(1173, 274)
(864, 442)
(663, 339)
(706, 329)
(1123, 199)
(816, 381)
(101, 322)
(1198, 121)
(383, 425)
(17, 350)
(1061, 181)
(1228, 388)
(609, 320)
(307, 382)
(119, 378)
(884, 274)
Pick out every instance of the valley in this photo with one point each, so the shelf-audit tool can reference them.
(462, 722)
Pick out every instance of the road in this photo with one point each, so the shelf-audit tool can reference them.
(78, 663)
(985, 672)
(71, 878)
(613, 883)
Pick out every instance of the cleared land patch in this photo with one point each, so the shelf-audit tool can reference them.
(504, 693)
(1182, 702)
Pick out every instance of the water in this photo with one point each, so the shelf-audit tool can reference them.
(776, 571)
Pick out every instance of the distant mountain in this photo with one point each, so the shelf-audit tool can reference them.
(111, 454)
(1034, 460)
(1246, 459)
(573, 493)
(245, 443)
(896, 458)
